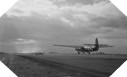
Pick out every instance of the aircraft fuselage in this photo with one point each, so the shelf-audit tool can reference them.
(88, 49)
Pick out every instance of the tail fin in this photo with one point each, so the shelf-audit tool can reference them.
(96, 41)
(96, 44)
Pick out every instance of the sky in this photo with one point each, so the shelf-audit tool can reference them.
(35, 25)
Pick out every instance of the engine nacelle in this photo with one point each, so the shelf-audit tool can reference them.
(78, 49)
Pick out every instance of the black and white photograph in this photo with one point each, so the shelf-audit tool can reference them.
(63, 38)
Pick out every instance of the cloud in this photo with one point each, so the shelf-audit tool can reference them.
(77, 15)
(43, 7)
(58, 0)
(96, 1)
(51, 22)
(115, 34)
(68, 13)
(27, 46)
(25, 41)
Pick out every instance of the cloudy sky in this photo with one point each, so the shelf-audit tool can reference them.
(38, 24)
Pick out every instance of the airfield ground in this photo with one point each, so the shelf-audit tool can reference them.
(108, 63)
(24, 67)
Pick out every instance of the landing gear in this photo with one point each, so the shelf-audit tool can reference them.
(83, 52)
(78, 52)
(88, 52)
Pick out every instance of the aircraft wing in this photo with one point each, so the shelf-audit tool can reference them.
(104, 45)
(100, 45)
(72, 46)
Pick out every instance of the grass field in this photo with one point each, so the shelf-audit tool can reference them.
(25, 68)
(107, 63)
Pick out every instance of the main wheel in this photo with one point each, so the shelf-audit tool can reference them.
(88, 52)
(83, 52)
(78, 52)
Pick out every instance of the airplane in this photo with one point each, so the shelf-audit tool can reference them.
(88, 48)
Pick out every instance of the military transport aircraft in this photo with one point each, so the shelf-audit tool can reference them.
(87, 47)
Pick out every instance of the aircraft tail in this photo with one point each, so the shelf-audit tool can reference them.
(96, 44)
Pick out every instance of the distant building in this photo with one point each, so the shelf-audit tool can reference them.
(53, 52)
(38, 53)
